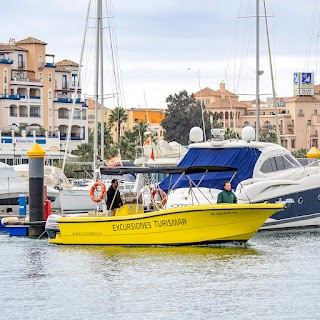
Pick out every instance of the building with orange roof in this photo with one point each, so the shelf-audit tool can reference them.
(36, 94)
(298, 116)
(151, 116)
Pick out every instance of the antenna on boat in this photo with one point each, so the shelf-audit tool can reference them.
(272, 78)
(257, 71)
(145, 104)
(201, 104)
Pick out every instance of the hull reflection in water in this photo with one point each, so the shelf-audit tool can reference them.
(198, 224)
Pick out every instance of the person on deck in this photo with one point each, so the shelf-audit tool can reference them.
(114, 200)
(227, 196)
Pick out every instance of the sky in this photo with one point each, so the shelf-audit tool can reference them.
(165, 46)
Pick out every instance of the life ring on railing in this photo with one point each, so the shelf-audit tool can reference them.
(94, 188)
(162, 194)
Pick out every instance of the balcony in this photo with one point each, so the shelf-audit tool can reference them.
(301, 114)
(68, 100)
(50, 65)
(10, 96)
(40, 65)
(13, 114)
(6, 61)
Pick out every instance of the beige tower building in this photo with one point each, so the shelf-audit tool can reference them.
(37, 94)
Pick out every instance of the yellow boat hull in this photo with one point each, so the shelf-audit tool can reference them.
(199, 224)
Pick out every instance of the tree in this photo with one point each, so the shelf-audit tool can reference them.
(139, 129)
(268, 137)
(117, 116)
(231, 134)
(300, 153)
(127, 144)
(183, 113)
(84, 151)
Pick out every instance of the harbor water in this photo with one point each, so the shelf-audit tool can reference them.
(276, 277)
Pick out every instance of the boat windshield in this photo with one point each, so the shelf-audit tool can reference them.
(244, 159)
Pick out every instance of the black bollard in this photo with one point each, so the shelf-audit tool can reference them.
(36, 195)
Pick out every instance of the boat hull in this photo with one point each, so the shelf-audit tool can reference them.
(200, 224)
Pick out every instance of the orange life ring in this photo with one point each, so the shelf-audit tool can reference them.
(162, 194)
(94, 188)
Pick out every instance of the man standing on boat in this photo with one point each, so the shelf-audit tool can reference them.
(227, 196)
(114, 200)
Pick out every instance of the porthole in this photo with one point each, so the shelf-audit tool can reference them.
(300, 200)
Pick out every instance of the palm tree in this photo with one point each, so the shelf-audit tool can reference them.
(268, 137)
(231, 134)
(84, 151)
(138, 130)
(117, 116)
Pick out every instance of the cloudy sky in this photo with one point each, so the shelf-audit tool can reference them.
(161, 44)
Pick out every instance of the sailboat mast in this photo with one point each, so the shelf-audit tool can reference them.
(96, 91)
(76, 88)
(257, 71)
(101, 86)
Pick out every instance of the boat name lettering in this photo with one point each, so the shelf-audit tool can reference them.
(170, 223)
(147, 225)
(131, 226)
(223, 213)
(87, 233)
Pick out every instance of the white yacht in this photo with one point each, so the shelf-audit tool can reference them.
(266, 172)
(11, 186)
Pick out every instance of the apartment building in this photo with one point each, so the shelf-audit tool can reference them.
(36, 96)
(298, 116)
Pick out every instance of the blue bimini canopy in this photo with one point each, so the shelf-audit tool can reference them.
(244, 159)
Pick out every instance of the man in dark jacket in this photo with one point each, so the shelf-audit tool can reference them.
(113, 196)
(227, 196)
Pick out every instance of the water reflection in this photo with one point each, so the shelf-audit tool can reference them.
(34, 262)
(114, 253)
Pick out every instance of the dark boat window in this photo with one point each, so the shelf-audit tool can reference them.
(280, 163)
(294, 163)
(269, 165)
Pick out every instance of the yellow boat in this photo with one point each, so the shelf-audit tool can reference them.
(187, 225)
(198, 224)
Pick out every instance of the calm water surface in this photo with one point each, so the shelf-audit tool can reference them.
(276, 277)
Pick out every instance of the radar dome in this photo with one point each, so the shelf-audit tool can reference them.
(196, 134)
(248, 134)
